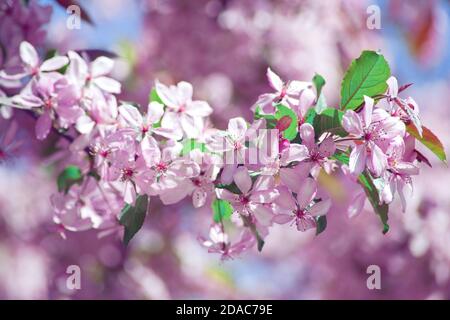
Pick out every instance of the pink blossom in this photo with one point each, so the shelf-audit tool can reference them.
(219, 243)
(182, 112)
(372, 132)
(318, 154)
(255, 198)
(84, 74)
(32, 64)
(145, 124)
(406, 109)
(400, 168)
(55, 96)
(303, 209)
(284, 92)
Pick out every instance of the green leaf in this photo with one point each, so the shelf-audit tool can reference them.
(133, 217)
(68, 177)
(291, 132)
(330, 120)
(366, 75)
(342, 157)
(319, 82)
(366, 180)
(153, 97)
(429, 140)
(270, 119)
(191, 144)
(222, 210)
(321, 224)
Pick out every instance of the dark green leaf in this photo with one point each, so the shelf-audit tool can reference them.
(222, 210)
(366, 75)
(68, 177)
(282, 111)
(133, 217)
(330, 120)
(321, 224)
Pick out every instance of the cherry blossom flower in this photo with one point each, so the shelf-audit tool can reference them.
(400, 168)
(57, 99)
(32, 64)
(219, 243)
(255, 198)
(144, 125)
(284, 92)
(318, 154)
(303, 209)
(406, 109)
(83, 74)
(373, 131)
(182, 112)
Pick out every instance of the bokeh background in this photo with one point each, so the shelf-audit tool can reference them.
(224, 47)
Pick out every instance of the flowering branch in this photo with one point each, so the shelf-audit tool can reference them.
(253, 174)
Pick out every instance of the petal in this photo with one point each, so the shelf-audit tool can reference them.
(274, 80)
(352, 123)
(43, 126)
(357, 161)
(392, 87)
(295, 152)
(28, 54)
(282, 218)
(185, 91)
(150, 151)
(54, 63)
(108, 84)
(199, 197)
(307, 134)
(189, 126)
(285, 199)
(198, 109)
(155, 111)
(265, 196)
(368, 109)
(327, 147)
(237, 127)
(183, 169)
(242, 179)
(131, 115)
(262, 213)
(356, 205)
(168, 96)
(377, 161)
(227, 195)
(292, 177)
(101, 66)
(174, 195)
(321, 208)
(306, 193)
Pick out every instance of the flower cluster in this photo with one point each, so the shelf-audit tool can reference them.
(253, 175)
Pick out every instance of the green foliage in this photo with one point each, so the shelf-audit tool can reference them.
(282, 111)
(68, 177)
(366, 75)
(133, 217)
(222, 210)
